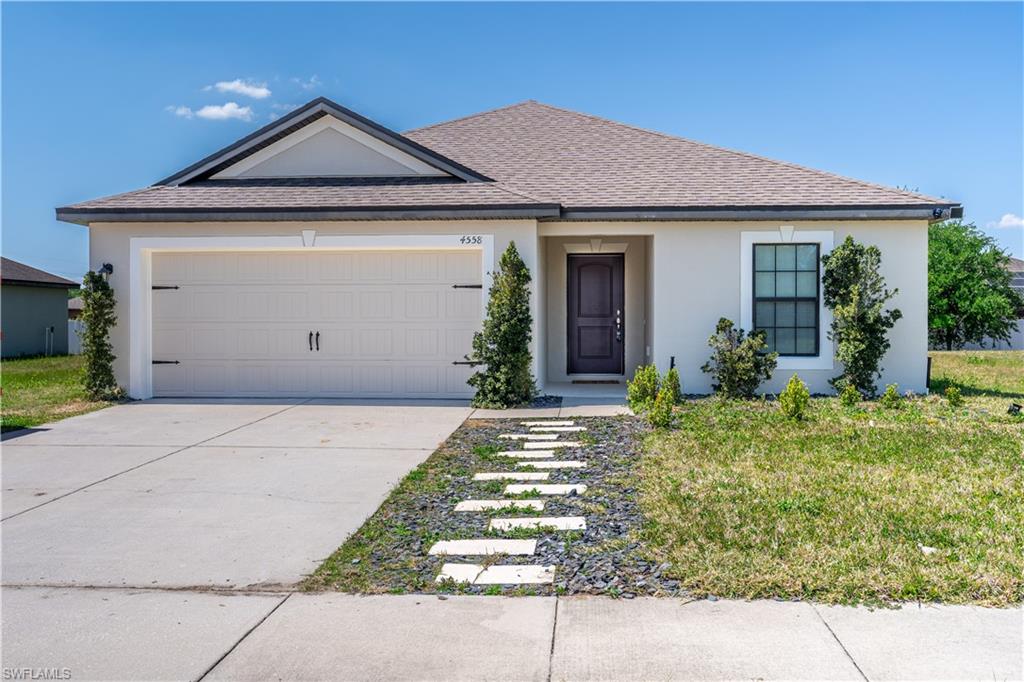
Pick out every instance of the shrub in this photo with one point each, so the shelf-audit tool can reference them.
(855, 292)
(642, 391)
(503, 345)
(660, 413)
(98, 317)
(673, 385)
(954, 397)
(850, 396)
(738, 362)
(795, 399)
(891, 399)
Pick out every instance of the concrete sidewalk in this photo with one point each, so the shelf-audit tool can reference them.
(418, 637)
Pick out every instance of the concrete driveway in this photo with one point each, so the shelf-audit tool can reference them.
(204, 493)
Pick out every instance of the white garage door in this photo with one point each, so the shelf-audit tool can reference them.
(332, 323)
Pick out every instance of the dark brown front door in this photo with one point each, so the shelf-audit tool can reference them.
(596, 314)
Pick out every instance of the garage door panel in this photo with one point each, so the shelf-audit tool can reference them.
(390, 323)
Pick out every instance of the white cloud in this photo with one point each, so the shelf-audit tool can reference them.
(224, 112)
(184, 112)
(1009, 221)
(241, 87)
(311, 83)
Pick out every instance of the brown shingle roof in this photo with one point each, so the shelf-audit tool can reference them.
(544, 161)
(581, 160)
(13, 272)
(314, 193)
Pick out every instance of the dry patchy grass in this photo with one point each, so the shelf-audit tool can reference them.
(852, 505)
(40, 390)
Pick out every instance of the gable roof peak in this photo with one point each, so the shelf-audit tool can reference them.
(299, 118)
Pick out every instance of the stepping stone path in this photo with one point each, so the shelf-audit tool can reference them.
(539, 447)
(512, 476)
(483, 505)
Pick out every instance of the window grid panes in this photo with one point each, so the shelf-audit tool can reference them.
(786, 297)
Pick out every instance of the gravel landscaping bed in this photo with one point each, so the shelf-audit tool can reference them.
(389, 553)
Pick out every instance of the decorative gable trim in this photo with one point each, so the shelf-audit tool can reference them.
(303, 116)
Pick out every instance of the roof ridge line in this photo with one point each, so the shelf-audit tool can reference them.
(469, 116)
(788, 164)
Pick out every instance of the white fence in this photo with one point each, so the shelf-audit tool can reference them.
(75, 328)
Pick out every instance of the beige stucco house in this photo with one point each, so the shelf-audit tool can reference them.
(325, 255)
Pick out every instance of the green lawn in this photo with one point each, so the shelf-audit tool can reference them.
(853, 505)
(40, 390)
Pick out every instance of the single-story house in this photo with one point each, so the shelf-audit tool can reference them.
(326, 255)
(33, 311)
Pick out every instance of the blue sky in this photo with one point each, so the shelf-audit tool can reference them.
(927, 96)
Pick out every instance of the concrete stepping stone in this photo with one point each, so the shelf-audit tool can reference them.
(556, 464)
(557, 522)
(552, 444)
(475, 574)
(558, 429)
(512, 476)
(483, 505)
(553, 423)
(539, 454)
(545, 488)
(529, 436)
(484, 546)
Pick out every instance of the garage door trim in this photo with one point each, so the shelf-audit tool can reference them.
(140, 380)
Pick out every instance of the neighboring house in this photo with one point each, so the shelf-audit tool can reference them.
(1016, 267)
(325, 255)
(33, 311)
(75, 325)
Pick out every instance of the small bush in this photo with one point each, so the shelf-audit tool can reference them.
(795, 399)
(954, 397)
(660, 413)
(849, 396)
(738, 362)
(891, 399)
(642, 391)
(673, 385)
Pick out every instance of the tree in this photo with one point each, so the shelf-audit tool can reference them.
(854, 290)
(969, 294)
(503, 345)
(98, 317)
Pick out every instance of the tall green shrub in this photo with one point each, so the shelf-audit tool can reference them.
(673, 385)
(98, 317)
(643, 389)
(660, 414)
(503, 345)
(855, 292)
(738, 362)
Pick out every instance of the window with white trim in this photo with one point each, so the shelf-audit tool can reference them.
(786, 295)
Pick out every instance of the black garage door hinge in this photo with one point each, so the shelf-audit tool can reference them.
(166, 362)
(467, 286)
(158, 286)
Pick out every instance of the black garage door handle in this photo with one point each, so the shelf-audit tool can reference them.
(311, 340)
(318, 342)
